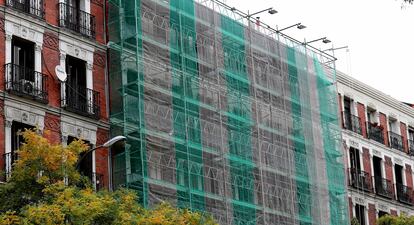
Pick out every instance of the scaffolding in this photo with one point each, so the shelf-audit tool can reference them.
(223, 115)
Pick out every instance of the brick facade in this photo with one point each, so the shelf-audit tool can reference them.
(384, 124)
(409, 176)
(389, 170)
(363, 118)
(51, 50)
(101, 155)
(367, 163)
(403, 131)
(58, 122)
(372, 214)
(52, 126)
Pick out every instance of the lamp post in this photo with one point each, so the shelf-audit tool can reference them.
(270, 10)
(107, 144)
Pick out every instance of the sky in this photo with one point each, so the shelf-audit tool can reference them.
(379, 35)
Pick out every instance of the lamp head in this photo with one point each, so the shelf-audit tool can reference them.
(326, 41)
(301, 26)
(113, 140)
(272, 11)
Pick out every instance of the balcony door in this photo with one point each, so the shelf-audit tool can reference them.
(347, 112)
(76, 94)
(72, 13)
(22, 61)
(355, 159)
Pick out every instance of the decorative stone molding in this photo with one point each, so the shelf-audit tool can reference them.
(8, 37)
(398, 161)
(8, 123)
(376, 152)
(360, 201)
(353, 144)
(51, 41)
(73, 127)
(24, 30)
(76, 49)
(383, 207)
(99, 58)
(27, 116)
(97, 2)
(2, 24)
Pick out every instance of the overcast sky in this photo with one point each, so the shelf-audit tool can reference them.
(379, 33)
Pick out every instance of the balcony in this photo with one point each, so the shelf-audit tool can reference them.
(383, 187)
(404, 194)
(8, 159)
(352, 123)
(32, 7)
(27, 83)
(375, 133)
(360, 180)
(396, 141)
(82, 101)
(76, 20)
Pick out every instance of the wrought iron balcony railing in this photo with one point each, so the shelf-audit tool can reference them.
(375, 133)
(32, 7)
(77, 20)
(404, 194)
(26, 82)
(360, 180)
(352, 123)
(8, 159)
(82, 101)
(383, 187)
(396, 141)
(411, 147)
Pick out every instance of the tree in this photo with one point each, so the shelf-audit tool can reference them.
(396, 220)
(45, 188)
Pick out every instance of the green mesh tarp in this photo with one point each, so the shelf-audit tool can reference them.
(221, 118)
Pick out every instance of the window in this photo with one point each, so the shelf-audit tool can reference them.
(360, 214)
(377, 166)
(78, 98)
(354, 159)
(22, 61)
(381, 214)
(74, 16)
(17, 139)
(347, 112)
(16, 143)
(86, 164)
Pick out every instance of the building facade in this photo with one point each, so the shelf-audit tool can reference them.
(35, 37)
(224, 115)
(378, 138)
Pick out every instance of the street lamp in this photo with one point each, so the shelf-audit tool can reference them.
(107, 144)
(270, 10)
(300, 26)
(324, 40)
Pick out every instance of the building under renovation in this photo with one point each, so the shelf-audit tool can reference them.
(223, 115)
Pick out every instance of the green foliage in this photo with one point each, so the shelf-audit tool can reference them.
(37, 194)
(396, 220)
(354, 221)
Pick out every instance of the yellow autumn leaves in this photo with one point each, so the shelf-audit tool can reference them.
(36, 193)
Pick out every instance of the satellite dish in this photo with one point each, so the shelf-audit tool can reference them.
(61, 73)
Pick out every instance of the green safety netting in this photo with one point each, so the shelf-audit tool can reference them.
(221, 118)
